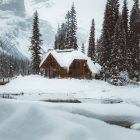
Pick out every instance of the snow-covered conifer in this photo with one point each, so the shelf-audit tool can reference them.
(36, 43)
(83, 48)
(91, 48)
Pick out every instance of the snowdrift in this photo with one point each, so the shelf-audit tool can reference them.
(26, 121)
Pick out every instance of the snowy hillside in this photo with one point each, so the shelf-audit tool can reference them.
(19, 29)
(16, 22)
(50, 10)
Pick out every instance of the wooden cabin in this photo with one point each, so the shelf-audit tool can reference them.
(68, 64)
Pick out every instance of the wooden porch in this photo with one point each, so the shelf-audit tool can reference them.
(4, 81)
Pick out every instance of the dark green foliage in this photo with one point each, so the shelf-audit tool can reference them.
(10, 71)
(36, 43)
(119, 51)
(106, 38)
(1, 66)
(66, 34)
(91, 48)
(134, 31)
(73, 28)
(118, 61)
(68, 30)
(125, 18)
(13, 66)
(99, 50)
(83, 48)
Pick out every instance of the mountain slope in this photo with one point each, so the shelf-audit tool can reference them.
(16, 23)
(19, 28)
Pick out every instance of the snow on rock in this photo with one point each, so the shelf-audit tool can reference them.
(135, 126)
(26, 121)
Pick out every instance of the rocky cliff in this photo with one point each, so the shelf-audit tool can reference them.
(17, 6)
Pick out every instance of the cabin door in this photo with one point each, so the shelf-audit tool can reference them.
(51, 72)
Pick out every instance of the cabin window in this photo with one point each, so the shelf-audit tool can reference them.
(74, 65)
(78, 73)
(82, 66)
(78, 65)
(58, 72)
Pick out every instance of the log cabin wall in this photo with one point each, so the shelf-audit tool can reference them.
(78, 69)
(53, 69)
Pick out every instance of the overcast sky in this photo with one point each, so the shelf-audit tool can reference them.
(86, 11)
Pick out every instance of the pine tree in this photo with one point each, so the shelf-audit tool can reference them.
(73, 28)
(110, 19)
(1, 66)
(114, 15)
(134, 40)
(118, 52)
(10, 67)
(67, 30)
(36, 43)
(99, 50)
(62, 37)
(125, 18)
(83, 48)
(55, 43)
(5, 65)
(106, 41)
(91, 48)
(58, 38)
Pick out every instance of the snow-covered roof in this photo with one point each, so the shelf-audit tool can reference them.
(66, 58)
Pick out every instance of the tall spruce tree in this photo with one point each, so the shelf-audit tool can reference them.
(83, 48)
(73, 28)
(62, 37)
(1, 66)
(106, 42)
(67, 30)
(134, 40)
(110, 19)
(91, 48)
(118, 52)
(36, 43)
(125, 18)
(10, 67)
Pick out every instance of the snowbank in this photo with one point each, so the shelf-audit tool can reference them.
(39, 88)
(26, 121)
(120, 114)
(135, 126)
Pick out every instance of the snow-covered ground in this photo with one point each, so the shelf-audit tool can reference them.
(94, 91)
(26, 120)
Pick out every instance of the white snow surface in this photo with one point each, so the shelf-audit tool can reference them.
(46, 121)
(36, 88)
(135, 126)
(66, 58)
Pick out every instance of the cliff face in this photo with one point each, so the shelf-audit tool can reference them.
(15, 23)
(17, 6)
